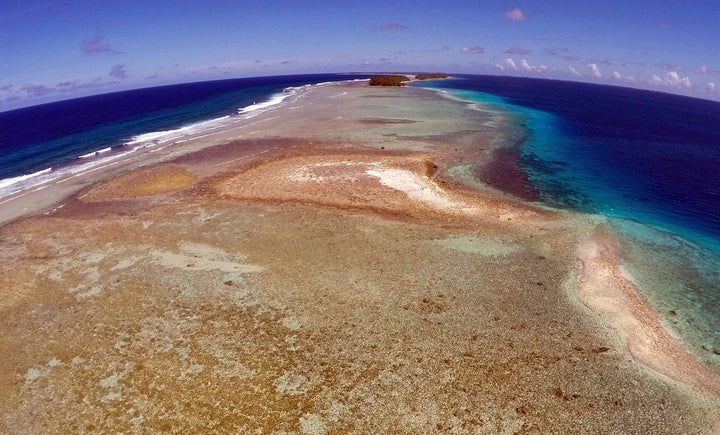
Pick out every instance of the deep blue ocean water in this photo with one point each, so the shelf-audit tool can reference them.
(648, 161)
(622, 152)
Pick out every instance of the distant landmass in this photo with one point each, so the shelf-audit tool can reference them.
(431, 76)
(399, 79)
(389, 80)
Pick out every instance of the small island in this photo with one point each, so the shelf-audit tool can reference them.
(431, 76)
(399, 79)
(389, 80)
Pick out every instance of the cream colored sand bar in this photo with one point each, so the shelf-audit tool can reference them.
(320, 270)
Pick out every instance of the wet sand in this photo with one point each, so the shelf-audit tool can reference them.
(331, 267)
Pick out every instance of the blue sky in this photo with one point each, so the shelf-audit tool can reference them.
(52, 50)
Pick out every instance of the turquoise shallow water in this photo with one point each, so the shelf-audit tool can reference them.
(680, 279)
(649, 163)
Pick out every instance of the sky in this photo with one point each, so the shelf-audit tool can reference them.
(58, 49)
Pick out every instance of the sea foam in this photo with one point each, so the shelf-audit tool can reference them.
(14, 181)
(95, 153)
(274, 100)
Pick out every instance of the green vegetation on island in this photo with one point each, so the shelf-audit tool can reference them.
(399, 79)
(389, 80)
(431, 76)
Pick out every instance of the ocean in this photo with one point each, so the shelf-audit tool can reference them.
(647, 162)
(41, 143)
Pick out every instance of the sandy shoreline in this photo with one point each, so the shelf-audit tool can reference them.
(336, 264)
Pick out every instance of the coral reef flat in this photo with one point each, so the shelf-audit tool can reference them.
(329, 267)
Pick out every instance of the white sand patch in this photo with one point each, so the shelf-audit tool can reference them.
(228, 366)
(486, 246)
(194, 369)
(35, 373)
(312, 424)
(338, 412)
(172, 260)
(120, 344)
(291, 323)
(110, 382)
(137, 423)
(416, 187)
(237, 280)
(92, 274)
(93, 257)
(55, 276)
(202, 250)
(196, 256)
(93, 291)
(290, 340)
(112, 396)
(125, 263)
(54, 269)
(304, 175)
(290, 383)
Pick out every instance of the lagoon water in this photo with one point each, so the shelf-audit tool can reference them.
(647, 162)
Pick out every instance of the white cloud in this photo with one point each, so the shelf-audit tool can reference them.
(511, 63)
(574, 71)
(710, 86)
(655, 80)
(702, 69)
(500, 67)
(673, 79)
(526, 66)
(616, 75)
(515, 14)
(594, 70)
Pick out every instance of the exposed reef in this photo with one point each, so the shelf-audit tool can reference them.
(332, 266)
